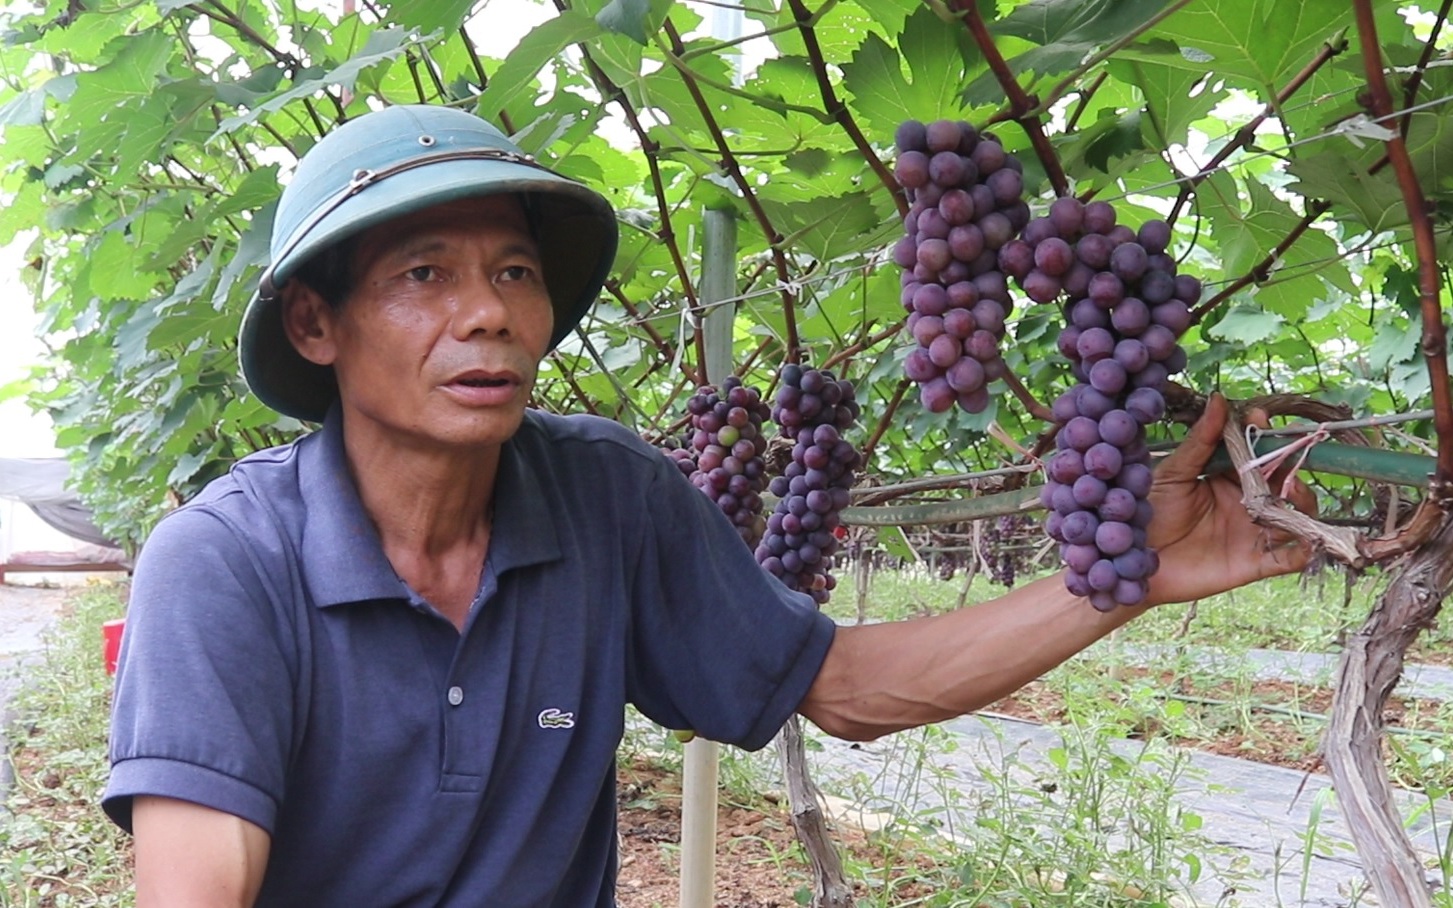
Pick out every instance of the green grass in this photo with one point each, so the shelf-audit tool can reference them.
(58, 848)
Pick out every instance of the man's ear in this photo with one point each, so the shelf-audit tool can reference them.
(309, 322)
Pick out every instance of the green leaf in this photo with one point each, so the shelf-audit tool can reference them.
(881, 92)
(1169, 105)
(430, 16)
(1068, 30)
(626, 17)
(534, 52)
(1375, 201)
(1247, 326)
(383, 45)
(25, 109)
(1264, 41)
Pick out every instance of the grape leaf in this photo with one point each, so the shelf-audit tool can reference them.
(626, 17)
(427, 17)
(1247, 326)
(885, 97)
(1067, 30)
(1169, 104)
(1375, 201)
(1264, 41)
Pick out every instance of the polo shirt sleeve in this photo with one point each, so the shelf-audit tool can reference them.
(718, 645)
(203, 710)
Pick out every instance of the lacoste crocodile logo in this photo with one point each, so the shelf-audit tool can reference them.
(554, 718)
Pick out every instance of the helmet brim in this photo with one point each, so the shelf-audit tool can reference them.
(574, 227)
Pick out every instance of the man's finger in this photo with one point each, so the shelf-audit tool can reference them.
(1189, 458)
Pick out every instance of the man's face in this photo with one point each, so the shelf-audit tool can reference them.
(439, 342)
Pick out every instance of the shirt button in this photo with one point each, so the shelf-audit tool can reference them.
(456, 696)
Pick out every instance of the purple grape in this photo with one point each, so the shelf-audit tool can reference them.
(959, 323)
(1114, 538)
(1157, 286)
(1054, 257)
(1130, 317)
(965, 376)
(936, 395)
(1094, 345)
(945, 350)
(930, 299)
(942, 135)
(1090, 491)
(1099, 217)
(1042, 287)
(1038, 230)
(1064, 407)
(1118, 505)
(1154, 236)
(1094, 404)
(1068, 215)
(911, 169)
(911, 135)
(1080, 528)
(1133, 564)
(982, 345)
(1103, 461)
(1082, 433)
(932, 225)
(1119, 428)
(1128, 261)
(1146, 405)
(976, 401)
(988, 157)
(934, 254)
(1077, 280)
(927, 329)
(1174, 315)
(1176, 362)
(1152, 376)
(1158, 341)
(1068, 343)
(946, 168)
(989, 316)
(1094, 250)
(1017, 258)
(1077, 584)
(1006, 185)
(966, 242)
(1102, 576)
(1079, 558)
(1130, 592)
(1066, 466)
(996, 229)
(1106, 289)
(1107, 376)
(1131, 354)
(1188, 289)
(968, 137)
(1085, 314)
(956, 207)
(1135, 478)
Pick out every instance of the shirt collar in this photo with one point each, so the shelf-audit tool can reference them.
(342, 557)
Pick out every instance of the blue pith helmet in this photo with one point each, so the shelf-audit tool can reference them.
(390, 163)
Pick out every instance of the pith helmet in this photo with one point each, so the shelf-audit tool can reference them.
(390, 163)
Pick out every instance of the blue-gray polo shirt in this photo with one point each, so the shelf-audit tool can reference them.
(276, 668)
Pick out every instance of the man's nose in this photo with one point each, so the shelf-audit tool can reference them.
(479, 307)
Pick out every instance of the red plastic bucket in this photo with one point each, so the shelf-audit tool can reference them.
(111, 642)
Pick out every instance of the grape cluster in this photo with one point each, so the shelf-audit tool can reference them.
(967, 203)
(1126, 308)
(724, 455)
(812, 409)
(1003, 549)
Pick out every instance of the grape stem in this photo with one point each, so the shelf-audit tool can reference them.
(839, 111)
(1035, 408)
(1247, 133)
(1021, 104)
(728, 162)
(1262, 269)
(1434, 341)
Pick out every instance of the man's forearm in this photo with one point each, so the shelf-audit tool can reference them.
(883, 678)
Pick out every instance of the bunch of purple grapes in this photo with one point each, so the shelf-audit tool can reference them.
(967, 203)
(724, 455)
(813, 408)
(1126, 309)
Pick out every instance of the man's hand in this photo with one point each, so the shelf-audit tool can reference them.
(1206, 540)
(192, 856)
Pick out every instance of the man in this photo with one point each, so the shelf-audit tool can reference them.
(387, 664)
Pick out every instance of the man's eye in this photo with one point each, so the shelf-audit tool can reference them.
(422, 273)
(517, 273)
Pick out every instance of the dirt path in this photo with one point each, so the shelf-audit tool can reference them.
(26, 614)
